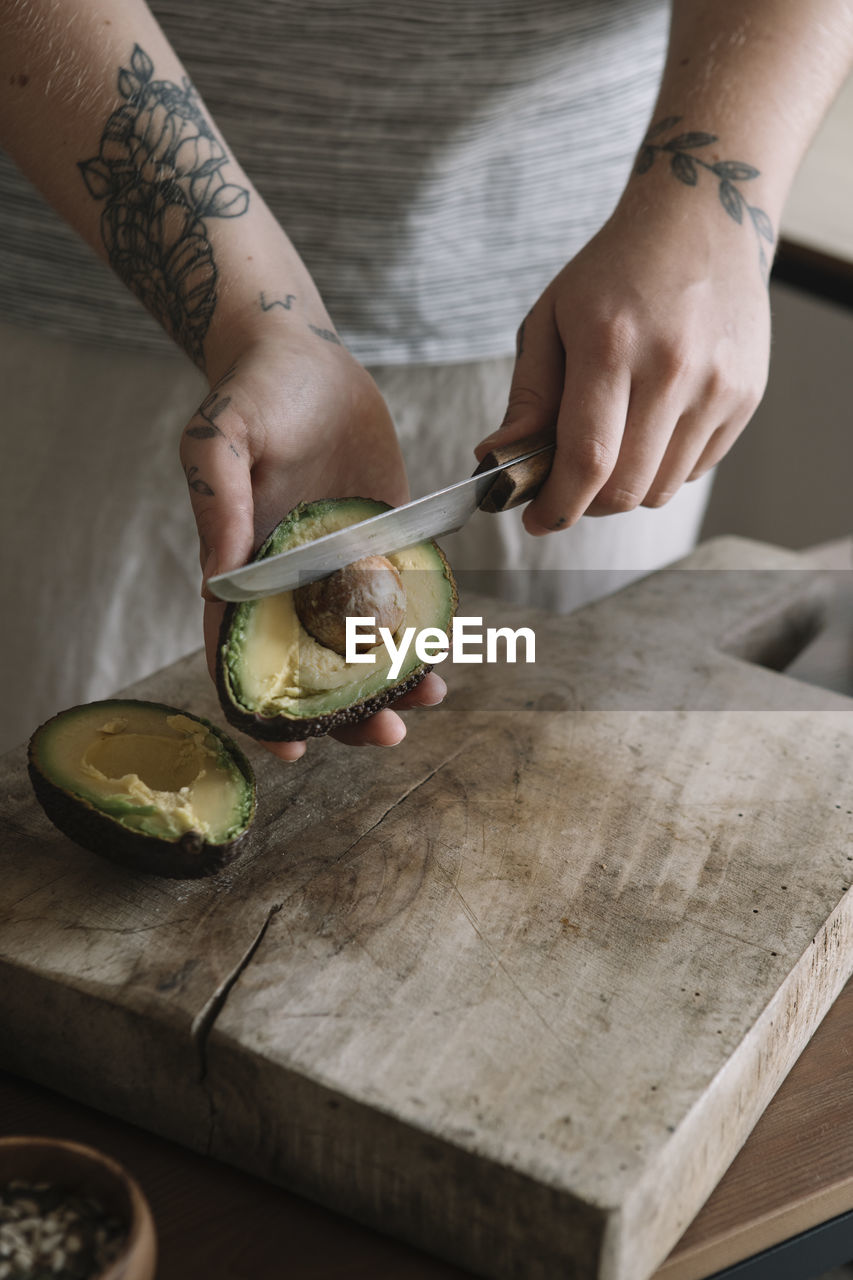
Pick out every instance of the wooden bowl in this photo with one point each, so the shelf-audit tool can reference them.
(85, 1171)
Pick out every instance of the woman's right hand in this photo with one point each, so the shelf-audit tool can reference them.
(291, 417)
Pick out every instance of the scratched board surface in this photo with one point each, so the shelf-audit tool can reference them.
(516, 991)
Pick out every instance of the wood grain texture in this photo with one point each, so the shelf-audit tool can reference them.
(213, 1220)
(518, 484)
(796, 1169)
(518, 995)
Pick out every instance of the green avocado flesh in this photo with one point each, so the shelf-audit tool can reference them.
(150, 770)
(272, 669)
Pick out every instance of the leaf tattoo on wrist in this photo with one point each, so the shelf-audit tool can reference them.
(159, 172)
(685, 167)
(328, 335)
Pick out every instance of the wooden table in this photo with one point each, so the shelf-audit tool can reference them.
(795, 1171)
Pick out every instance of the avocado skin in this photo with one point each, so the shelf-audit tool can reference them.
(187, 858)
(294, 729)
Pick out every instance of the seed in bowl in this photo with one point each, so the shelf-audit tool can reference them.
(49, 1232)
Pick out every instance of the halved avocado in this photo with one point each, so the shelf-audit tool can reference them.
(145, 785)
(278, 683)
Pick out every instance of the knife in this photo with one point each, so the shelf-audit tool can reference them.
(507, 477)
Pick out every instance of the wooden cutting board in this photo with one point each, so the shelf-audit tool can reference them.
(516, 991)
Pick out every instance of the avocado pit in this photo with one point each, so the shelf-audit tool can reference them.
(367, 588)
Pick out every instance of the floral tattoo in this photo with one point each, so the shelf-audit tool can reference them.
(685, 167)
(159, 172)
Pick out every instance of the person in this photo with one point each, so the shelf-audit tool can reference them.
(592, 185)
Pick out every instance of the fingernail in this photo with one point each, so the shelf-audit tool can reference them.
(440, 693)
(535, 529)
(485, 446)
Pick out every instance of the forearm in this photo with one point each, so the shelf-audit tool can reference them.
(96, 110)
(758, 78)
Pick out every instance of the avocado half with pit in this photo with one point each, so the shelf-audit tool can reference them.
(282, 673)
(145, 785)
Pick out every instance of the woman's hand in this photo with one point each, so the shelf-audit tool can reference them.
(294, 418)
(647, 354)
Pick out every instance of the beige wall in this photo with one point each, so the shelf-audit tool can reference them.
(789, 479)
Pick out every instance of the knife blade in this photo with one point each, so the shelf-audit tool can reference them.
(505, 478)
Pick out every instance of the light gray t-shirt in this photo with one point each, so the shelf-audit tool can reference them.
(435, 163)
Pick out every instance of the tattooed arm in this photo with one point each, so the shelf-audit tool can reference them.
(98, 112)
(649, 350)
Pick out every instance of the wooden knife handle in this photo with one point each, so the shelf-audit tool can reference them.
(520, 483)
